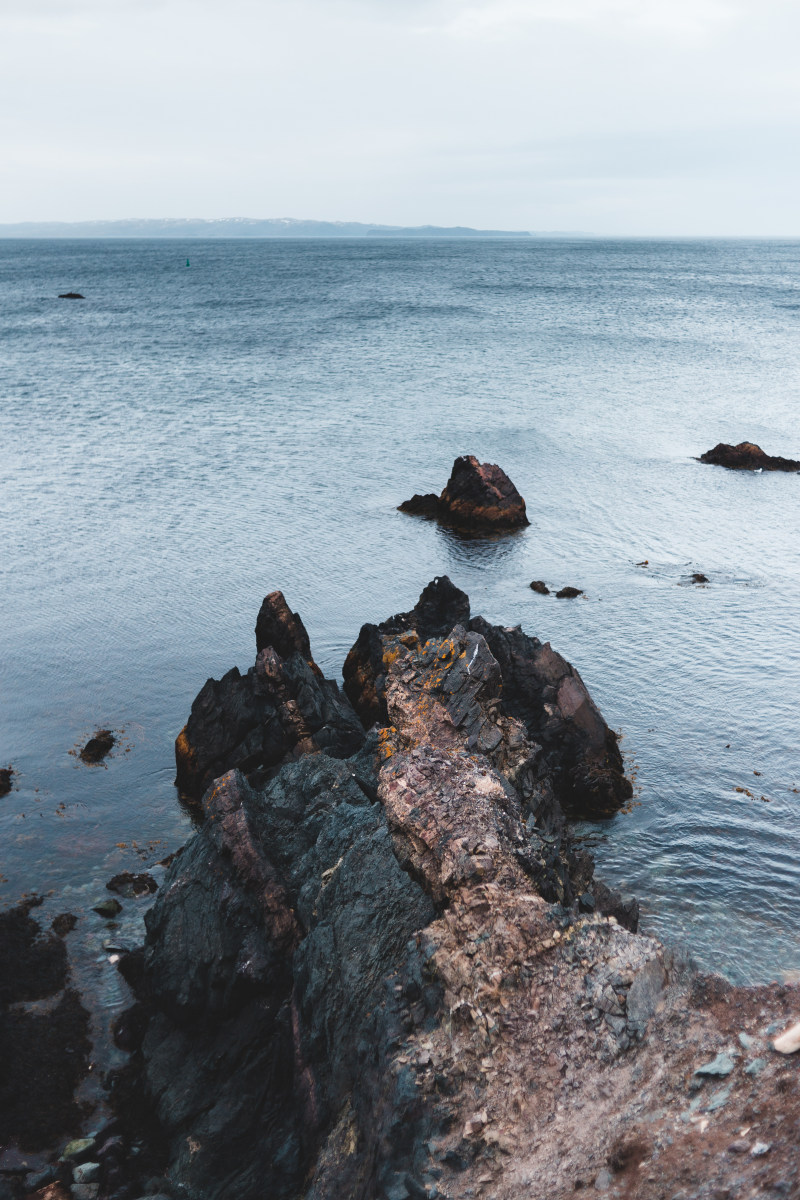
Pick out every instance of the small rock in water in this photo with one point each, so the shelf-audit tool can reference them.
(788, 1042)
(98, 746)
(63, 924)
(130, 886)
(721, 1066)
(699, 577)
(569, 593)
(108, 908)
(70, 296)
(747, 456)
(541, 587)
(7, 775)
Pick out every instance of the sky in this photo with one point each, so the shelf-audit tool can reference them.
(618, 117)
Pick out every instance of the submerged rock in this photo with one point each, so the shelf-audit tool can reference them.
(6, 780)
(477, 497)
(747, 456)
(541, 587)
(98, 746)
(568, 593)
(281, 708)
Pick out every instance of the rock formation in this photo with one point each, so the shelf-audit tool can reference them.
(98, 746)
(478, 497)
(281, 708)
(390, 977)
(579, 755)
(746, 456)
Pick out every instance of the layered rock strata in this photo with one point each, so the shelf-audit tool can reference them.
(357, 982)
(477, 497)
(747, 456)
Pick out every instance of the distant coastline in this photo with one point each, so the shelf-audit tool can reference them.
(245, 227)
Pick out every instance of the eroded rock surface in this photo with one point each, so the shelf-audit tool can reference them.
(477, 497)
(281, 708)
(390, 976)
(747, 456)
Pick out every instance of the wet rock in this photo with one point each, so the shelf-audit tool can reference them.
(611, 903)
(63, 924)
(747, 456)
(86, 1172)
(130, 886)
(6, 780)
(98, 746)
(70, 296)
(107, 909)
(568, 593)
(719, 1067)
(788, 1042)
(421, 505)
(477, 497)
(541, 587)
(699, 577)
(78, 1150)
(281, 708)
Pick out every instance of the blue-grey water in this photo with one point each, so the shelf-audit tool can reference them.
(187, 439)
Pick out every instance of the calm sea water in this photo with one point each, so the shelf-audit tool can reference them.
(188, 439)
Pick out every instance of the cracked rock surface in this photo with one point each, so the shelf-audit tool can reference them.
(391, 975)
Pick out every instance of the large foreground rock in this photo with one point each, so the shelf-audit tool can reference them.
(380, 978)
(747, 456)
(478, 497)
(281, 708)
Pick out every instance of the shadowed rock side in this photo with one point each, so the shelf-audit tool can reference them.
(747, 456)
(354, 984)
(281, 708)
(579, 754)
(478, 497)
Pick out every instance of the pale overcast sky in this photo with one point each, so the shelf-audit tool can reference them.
(611, 116)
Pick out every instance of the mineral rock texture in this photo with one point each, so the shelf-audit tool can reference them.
(478, 497)
(578, 757)
(390, 976)
(281, 708)
(746, 456)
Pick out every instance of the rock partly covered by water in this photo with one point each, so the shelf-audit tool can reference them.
(98, 746)
(281, 708)
(747, 456)
(578, 758)
(478, 496)
(356, 982)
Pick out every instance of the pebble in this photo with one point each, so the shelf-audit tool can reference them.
(77, 1149)
(88, 1172)
(718, 1099)
(760, 1149)
(756, 1066)
(740, 1146)
(788, 1042)
(745, 1041)
(107, 908)
(721, 1066)
(603, 1180)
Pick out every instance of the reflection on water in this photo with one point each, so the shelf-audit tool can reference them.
(184, 442)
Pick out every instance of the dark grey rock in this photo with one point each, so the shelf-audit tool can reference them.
(719, 1067)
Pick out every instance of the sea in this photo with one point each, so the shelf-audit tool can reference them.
(217, 419)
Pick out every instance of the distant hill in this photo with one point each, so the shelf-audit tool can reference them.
(243, 227)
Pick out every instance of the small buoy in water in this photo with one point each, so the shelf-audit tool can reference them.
(187, 262)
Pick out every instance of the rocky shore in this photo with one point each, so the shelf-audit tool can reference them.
(382, 969)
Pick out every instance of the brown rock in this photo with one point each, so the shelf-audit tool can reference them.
(539, 586)
(6, 779)
(478, 497)
(98, 746)
(747, 456)
(569, 593)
